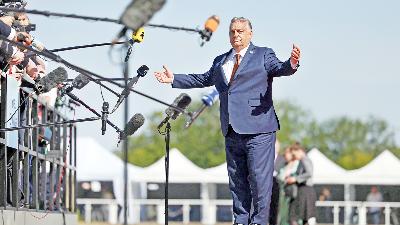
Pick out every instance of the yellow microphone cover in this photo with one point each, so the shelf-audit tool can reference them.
(138, 36)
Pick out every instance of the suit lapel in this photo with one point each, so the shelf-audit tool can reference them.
(221, 63)
(245, 60)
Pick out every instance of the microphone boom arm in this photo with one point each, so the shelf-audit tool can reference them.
(89, 74)
(74, 97)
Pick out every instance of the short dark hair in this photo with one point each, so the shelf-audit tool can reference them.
(296, 146)
(241, 19)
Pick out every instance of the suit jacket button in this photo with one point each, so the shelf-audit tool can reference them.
(229, 93)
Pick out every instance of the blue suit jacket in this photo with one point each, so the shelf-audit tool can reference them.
(246, 103)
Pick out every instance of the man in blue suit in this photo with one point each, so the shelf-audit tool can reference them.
(243, 77)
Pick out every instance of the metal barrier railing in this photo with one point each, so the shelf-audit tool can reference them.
(88, 207)
(38, 171)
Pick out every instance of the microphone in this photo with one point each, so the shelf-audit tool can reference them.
(182, 101)
(34, 43)
(208, 100)
(104, 115)
(139, 12)
(210, 27)
(51, 80)
(132, 126)
(141, 72)
(137, 37)
(80, 81)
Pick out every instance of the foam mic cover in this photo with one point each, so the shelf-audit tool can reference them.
(51, 80)
(80, 81)
(133, 125)
(212, 23)
(210, 98)
(182, 101)
(139, 12)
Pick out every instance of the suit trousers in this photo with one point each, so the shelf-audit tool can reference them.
(250, 162)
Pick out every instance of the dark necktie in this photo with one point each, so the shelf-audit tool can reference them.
(235, 67)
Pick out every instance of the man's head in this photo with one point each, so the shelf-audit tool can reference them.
(240, 33)
(298, 151)
(22, 18)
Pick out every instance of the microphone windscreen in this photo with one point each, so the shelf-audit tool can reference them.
(182, 101)
(80, 81)
(212, 23)
(210, 98)
(134, 124)
(139, 12)
(52, 79)
(142, 71)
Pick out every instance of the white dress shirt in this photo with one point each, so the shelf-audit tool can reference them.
(230, 62)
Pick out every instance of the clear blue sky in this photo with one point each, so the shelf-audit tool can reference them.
(349, 65)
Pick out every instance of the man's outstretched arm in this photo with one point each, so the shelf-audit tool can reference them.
(278, 68)
(184, 81)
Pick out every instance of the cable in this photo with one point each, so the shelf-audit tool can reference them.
(101, 92)
(17, 109)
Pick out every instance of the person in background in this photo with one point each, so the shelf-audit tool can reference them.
(325, 195)
(288, 192)
(306, 194)
(374, 212)
(274, 207)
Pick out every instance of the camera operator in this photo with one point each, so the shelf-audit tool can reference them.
(8, 52)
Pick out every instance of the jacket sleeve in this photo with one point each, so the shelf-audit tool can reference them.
(186, 81)
(275, 67)
(6, 49)
(6, 31)
(308, 171)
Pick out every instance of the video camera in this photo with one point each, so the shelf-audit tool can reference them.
(21, 28)
(13, 3)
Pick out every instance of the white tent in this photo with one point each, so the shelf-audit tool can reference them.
(326, 171)
(95, 163)
(181, 170)
(383, 170)
(218, 174)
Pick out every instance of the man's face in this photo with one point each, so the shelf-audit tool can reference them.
(23, 20)
(240, 35)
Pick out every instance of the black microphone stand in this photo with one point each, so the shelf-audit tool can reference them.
(166, 133)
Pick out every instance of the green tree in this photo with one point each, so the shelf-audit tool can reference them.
(296, 124)
(202, 143)
(351, 143)
(354, 159)
(345, 136)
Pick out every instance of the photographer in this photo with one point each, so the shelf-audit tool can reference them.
(8, 52)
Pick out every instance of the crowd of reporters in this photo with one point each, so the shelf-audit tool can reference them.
(17, 62)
